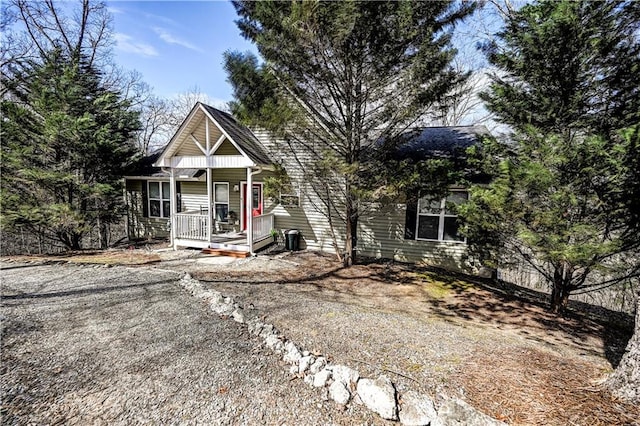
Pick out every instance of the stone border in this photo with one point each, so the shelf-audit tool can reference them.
(344, 384)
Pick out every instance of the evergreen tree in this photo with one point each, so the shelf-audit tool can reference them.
(565, 194)
(339, 76)
(66, 141)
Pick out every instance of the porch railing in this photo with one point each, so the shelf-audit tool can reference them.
(262, 226)
(191, 226)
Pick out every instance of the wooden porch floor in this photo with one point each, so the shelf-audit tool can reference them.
(232, 238)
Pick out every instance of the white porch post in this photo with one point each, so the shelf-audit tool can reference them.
(209, 182)
(173, 202)
(248, 200)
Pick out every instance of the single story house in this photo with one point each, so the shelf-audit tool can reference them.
(205, 189)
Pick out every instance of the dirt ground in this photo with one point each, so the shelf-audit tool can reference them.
(443, 334)
(493, 345)
(89, 345)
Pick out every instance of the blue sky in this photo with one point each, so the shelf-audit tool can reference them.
(177, 45)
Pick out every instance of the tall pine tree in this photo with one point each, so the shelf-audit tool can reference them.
(339, 76)
(66, 141)
(565, 197)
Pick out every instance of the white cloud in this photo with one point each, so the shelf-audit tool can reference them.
(127, 44)
(115, 10)
(160, 18)
(169, 38)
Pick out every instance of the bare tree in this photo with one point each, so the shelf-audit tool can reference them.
(155, 128)
(463, 105)
(79, 31)
(182, 103)
(161, 118)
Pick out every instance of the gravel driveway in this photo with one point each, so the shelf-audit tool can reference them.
(95, 345)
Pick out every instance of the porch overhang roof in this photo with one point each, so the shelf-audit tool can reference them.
(251, 152)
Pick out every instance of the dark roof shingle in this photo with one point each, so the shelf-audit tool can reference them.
(430, 142)
(240, 135)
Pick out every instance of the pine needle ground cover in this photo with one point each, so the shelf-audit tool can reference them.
(496, 346)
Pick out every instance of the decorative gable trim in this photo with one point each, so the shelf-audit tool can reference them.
(226, 136)
(169, 159)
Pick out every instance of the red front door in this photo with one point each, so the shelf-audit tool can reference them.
(256, 202)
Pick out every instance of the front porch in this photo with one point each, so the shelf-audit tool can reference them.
(224, 208)
(191, 230)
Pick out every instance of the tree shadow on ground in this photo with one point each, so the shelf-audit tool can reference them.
(421, 291)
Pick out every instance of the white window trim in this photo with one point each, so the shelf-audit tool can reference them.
(162, 199)
(440, 217)
(216, 202)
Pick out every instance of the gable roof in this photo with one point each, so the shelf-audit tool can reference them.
(433, 142)
(234, 131)
(240, 134)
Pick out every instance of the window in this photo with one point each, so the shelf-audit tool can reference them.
(290, 200)
(221, 201)
(437, 219)
(159, 199)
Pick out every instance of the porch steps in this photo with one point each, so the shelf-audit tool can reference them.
(222, 252)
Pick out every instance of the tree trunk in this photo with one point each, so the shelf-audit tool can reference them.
(76, 241)
(624, 383)
(351, 236)
(559, 298)
(561, 290)
(103, 235)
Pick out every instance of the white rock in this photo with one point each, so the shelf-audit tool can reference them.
(379, 396)
(309, 379)
(267, 329)
(318, 365)
(291, 355)
(293, 369)
(305, 362)
(206, 294)
(321, 378)
(339, 392)
(417, 409)
(457, 412)
(274, 343)
(221, 308)
(344, 374)
(197, 291)
(238, 316)
(254, 326)
(216, 297)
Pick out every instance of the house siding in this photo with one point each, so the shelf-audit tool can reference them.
(381, 228)
(188, 148)
(193, 195)
(139, 226)
(226, 148)
(311, 218)
(381, 234)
